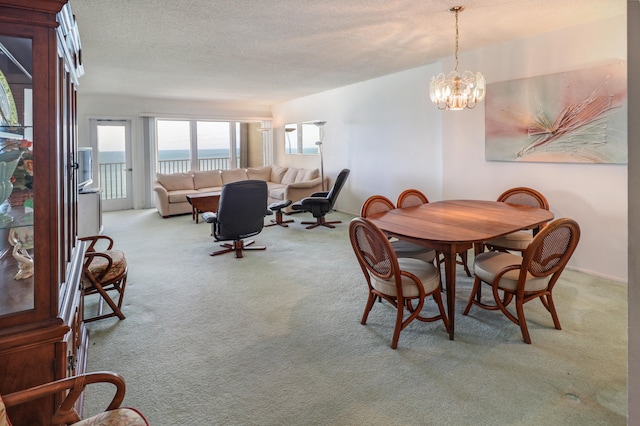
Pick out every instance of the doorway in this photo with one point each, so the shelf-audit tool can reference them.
(112, 141)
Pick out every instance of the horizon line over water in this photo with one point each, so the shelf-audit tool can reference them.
(166, 154)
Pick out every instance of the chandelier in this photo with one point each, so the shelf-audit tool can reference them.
(456, 91)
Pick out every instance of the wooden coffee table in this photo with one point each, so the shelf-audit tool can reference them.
(203, 202)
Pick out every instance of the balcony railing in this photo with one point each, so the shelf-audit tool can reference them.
(183, 166)
(113, 179)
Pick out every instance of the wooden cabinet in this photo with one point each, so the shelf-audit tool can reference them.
(42, 337)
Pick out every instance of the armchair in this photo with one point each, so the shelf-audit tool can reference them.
(240, 215)
(321, 203)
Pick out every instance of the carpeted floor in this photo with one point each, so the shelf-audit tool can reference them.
(275, 339)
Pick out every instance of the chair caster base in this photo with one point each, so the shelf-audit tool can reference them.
(321, 222)
(238, 247)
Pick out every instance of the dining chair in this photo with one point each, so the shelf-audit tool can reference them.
(104, 270)
(378, 204)
(414, 197)
(519, 240)
(530, 276)
(73, 388)
(411, 197)
(399, 281)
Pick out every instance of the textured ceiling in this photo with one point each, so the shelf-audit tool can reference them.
(269, 51)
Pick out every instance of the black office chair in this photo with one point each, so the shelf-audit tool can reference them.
(240, 215)
(321, 203)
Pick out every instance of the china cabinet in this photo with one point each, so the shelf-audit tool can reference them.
(42, 337)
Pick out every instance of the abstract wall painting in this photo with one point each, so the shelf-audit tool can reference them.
(571, 117)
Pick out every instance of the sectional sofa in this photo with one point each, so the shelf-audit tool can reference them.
(284, 183)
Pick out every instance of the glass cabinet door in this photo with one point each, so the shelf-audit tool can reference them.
(16, 176)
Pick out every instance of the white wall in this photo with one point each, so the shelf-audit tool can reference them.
(382, 130)
(633, 46)
(595, 195)
(391, 137)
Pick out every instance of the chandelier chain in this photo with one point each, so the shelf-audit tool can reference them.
(457, 36)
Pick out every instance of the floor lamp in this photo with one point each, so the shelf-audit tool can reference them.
(319, 144)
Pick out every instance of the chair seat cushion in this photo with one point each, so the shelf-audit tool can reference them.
(487, 265)
(99, 264)
(519, 240)
(416, 251)
(426, 272)
(119, 416)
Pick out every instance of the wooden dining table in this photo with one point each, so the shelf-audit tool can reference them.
(454, 226)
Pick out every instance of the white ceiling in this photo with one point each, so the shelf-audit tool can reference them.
(269, 51)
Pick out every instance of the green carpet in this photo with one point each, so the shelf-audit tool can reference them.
(275, 339)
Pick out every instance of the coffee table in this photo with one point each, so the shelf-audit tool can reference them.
(203, 202)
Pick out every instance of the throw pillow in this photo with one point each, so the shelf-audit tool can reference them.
(175, 181)
(313, 174)
(277, 173)
(259, 173)
(305, 175)
(207, 179)
(289, 176)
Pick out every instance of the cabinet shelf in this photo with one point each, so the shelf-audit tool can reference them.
(20, 218)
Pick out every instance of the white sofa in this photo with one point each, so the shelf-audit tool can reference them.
(284, 183)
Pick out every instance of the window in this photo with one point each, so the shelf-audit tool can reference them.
(185, 145)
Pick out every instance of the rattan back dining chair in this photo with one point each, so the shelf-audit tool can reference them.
(519, 240)
(399, 281)
(530, 276)
(379, 204)
(411, 197)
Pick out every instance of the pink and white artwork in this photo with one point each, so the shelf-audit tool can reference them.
(576, 117)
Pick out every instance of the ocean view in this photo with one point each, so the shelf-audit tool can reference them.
(164, 155)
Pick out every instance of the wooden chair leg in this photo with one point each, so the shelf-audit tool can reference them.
(116, 308)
